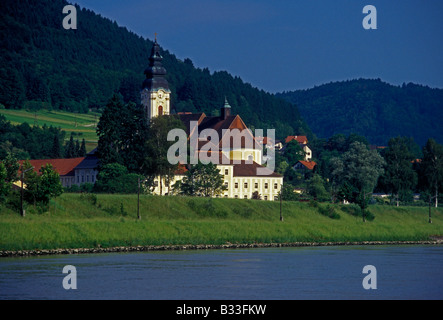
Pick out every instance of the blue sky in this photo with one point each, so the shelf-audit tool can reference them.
(293, 44)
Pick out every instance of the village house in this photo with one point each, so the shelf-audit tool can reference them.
(64, 167)
(74, 171)
(303, 143)
(304, 166)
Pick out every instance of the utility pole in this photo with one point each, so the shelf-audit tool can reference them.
(364, 204)
(281, 199)
(138, 200)
(430, 202)
(22, 212)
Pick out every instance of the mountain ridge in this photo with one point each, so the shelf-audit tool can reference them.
(372, 108)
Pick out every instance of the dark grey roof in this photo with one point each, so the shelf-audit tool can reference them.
(90, 162)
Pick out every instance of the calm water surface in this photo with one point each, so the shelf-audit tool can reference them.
(403, 272)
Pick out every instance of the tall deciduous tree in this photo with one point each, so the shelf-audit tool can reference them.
(431, 168)
(121, 133)
(203, 180)
(41, 188)
(293, 153)
(361, 168)
(5, 186)
(108, 131)
(316, 188)
(399, 176)
(50, 184)
(156, 162)
(11, 166)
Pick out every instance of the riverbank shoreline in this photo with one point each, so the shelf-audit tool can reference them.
(126, 249)
(110, 224)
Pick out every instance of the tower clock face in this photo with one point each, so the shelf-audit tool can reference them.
(160, 94)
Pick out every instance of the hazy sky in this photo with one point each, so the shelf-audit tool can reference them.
(293, 44)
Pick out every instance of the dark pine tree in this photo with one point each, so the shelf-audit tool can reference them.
(82, 151)
(70, 148)
(56, 149)
(77, 149)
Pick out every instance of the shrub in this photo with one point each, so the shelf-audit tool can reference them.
(87, 187)
(356, 211)
(89, 197)
(114, 178)
(328, 211)
(313, 204)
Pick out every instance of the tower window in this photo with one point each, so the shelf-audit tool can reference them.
(160, 110)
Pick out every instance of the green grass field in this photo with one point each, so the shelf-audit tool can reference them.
(83, 125)
(79, 221)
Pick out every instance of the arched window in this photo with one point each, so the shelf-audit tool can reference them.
(160, 110)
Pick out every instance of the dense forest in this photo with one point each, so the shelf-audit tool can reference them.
(42, 65)
(372, 108)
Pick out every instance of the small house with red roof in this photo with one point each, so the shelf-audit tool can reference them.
(304, 166)
(74, 171)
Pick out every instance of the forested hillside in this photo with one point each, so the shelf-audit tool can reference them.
(42, 65)
(372, 108)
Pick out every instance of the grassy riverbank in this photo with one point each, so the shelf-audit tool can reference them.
(88, 221)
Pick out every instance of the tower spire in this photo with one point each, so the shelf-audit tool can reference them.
(225, 111)
(155, 94)
(155, 72)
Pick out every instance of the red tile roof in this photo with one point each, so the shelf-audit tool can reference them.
(64, 167)
(220, 125)
(308, 164)
(299, 139)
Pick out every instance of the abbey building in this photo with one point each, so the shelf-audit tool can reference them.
(240, 163)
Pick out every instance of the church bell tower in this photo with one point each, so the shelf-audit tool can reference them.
(155, 94)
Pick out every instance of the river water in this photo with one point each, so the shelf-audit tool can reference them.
(401, 272)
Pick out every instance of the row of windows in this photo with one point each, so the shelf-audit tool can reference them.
(255, 185)
(82, 178)
(246, 197)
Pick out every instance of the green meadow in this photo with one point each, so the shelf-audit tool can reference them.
(82, 125)
(90, 221)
